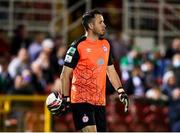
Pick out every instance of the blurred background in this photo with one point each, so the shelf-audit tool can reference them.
(145, 39)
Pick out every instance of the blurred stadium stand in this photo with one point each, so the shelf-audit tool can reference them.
(131, 24)
(28, 113)
(46, 16)
(156, 18)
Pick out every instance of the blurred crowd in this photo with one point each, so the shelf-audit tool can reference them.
(147, 73)
(150, 74)
(29, 65)
(32, 65)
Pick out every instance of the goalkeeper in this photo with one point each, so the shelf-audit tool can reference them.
(83, 77)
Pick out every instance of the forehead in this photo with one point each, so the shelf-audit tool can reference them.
(99, 17)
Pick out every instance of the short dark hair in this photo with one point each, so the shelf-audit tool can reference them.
(88, 16)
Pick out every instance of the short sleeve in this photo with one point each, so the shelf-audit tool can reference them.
(72, 55)
(110, 60)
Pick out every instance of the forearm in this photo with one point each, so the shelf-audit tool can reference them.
(116, 82)
(65, 78)
(114, 79)
(65, 86)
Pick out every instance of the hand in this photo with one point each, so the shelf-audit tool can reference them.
(123, 97)
(60, 106)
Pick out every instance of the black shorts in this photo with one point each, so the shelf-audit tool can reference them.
(85, 114)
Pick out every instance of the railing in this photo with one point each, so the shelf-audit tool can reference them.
(151, 18)
(48, 16)
(143, 113)
(6, 106)
(36, 15)
(61, 21)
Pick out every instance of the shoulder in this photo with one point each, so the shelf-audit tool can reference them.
(77, 41)
(104, 40)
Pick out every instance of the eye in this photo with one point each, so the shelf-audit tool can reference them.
(101, 22)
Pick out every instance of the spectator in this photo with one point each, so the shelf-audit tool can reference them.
(135, 84)
(148, 69)
(18, 63)
(169, 81)
(5, 79)
(20, 39)
(58, 40)
(58, 53)
(170, 89)
(174, 48)
(132, 59)
(176, 68)
(36, 46)
(47, 46)
(161, 65)
(154, 93)
(22, 83)
(127, 63)
(58, 59)
(48, 77)
(38, 80)
(120, 44)
(4, 45)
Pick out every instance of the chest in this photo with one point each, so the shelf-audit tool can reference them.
(94, 52)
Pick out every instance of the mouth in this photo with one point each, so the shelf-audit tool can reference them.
(103, 30)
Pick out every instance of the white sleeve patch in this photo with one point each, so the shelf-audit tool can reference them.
(71, 51)
(68, 58)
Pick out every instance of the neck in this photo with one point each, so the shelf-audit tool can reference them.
(92, 36)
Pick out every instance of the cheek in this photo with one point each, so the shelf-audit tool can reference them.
(100, 29)
(97, 29)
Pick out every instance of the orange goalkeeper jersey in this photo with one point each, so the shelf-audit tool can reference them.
(89, 59)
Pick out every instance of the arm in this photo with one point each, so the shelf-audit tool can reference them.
(116, 82)
(65, 77)
(114, 78)
(61, 105)
(70, 62)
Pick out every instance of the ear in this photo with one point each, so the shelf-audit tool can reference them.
(90, 26)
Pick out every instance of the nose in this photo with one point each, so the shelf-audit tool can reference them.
(104, 25)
